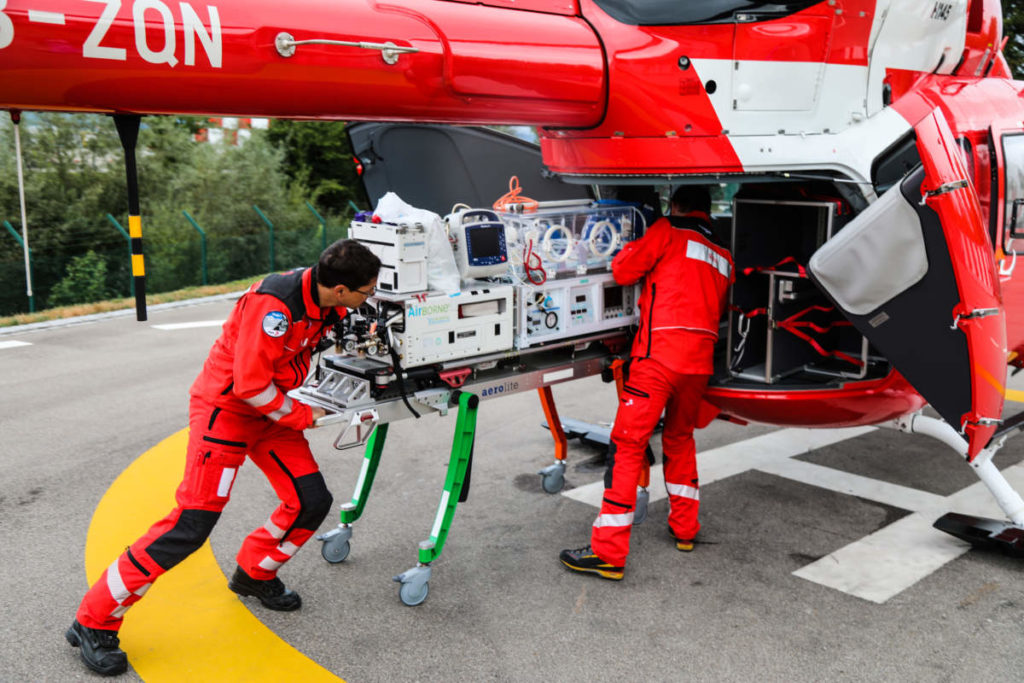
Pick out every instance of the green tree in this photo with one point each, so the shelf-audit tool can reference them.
(69, 185)
(84, 281)
(1013, 27)
(74, 176)
(318, 156)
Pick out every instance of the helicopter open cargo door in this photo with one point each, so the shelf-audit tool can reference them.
(914, 274)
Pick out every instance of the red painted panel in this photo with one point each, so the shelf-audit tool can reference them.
(855, 404)
(799, 38)
(971, 253)
(585, 156)
(517, 67)
(567, 7)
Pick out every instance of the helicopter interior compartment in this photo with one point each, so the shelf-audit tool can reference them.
(781, 329)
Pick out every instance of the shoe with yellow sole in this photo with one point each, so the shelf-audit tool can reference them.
(584, 560)
(684, 545)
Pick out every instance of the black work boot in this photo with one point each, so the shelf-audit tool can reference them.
(99, 649)
(271, 592)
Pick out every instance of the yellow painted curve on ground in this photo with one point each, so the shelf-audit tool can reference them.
(189, 626)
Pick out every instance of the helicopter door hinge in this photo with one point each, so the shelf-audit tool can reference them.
(943, 189)
(972, 315)
(980, 422)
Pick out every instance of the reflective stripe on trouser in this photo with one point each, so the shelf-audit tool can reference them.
(285, 459)
(217, 445)
(650, 389)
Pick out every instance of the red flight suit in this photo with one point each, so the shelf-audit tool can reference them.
(238, 407)
(686, 279)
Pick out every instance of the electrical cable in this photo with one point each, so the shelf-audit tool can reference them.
(514, 200)
(399, 372)
(532, 263)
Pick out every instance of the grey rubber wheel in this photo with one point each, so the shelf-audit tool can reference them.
(413, 594)
(335, 552)
(640, 516)
(552, 483)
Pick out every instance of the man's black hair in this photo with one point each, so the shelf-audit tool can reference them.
(692, 198)
(349, 263)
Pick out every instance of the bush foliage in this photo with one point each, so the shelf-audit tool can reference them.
(74, 177)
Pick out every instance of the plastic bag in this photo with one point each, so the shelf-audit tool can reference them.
(442, 273)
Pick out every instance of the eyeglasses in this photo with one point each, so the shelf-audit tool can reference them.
(367, 294)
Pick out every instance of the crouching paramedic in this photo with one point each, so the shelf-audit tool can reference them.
(686, 276)
(239, 407)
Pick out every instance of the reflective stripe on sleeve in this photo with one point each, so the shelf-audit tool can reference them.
(625, 519)
(285, 408)
(682, 491)
(288, 548)
(266, 396)
(702, 252)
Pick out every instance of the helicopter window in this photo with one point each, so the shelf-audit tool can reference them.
(967, 155)
(894, 163)
(1013, 164)
(674, 12)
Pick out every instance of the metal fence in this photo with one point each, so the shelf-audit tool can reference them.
(200, 257)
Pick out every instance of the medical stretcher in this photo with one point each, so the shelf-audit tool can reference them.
(364, 395)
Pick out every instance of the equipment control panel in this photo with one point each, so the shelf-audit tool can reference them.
(572, 307)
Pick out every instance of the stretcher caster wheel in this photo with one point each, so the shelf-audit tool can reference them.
(414, 588)
(552, 477)
(640, 511)
(335, 546)
(335, 550)
(413, 594)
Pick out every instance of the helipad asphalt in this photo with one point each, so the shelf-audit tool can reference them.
(90, 426)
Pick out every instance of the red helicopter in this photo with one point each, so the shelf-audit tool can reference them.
(875, 147)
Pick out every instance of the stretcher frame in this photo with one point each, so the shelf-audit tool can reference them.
(538, 369)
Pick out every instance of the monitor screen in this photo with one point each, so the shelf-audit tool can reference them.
(612, 297)
(485, 241)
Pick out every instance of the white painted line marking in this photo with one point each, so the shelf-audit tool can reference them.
(12, 344)
(854, 484)
(888, 561)
(892, 559)
(736, 458)
(881, 564)
(187, 326)
(41, 17)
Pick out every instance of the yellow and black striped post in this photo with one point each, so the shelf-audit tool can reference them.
(128, 131)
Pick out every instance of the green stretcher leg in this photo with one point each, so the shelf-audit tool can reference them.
(462, 451)
(350, 512)
(336, 542)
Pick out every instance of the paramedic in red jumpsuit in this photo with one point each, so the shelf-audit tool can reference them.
(238, 407)
(686, 276)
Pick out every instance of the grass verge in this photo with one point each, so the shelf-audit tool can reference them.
(119, 304)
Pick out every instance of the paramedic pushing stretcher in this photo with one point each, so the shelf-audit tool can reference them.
(239, 406)
(686, 276)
